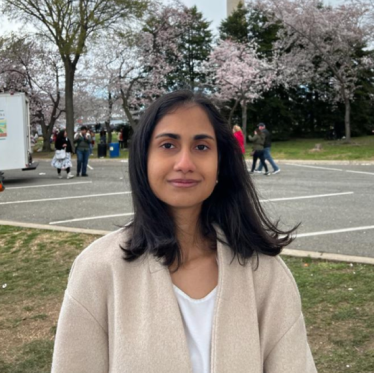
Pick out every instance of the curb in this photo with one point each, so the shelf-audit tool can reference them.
(329, 162)
(328, 256)
(322, 162)
(286, 252)
(53, 228)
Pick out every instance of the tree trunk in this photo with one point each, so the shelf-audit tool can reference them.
(109, 117)
(109, 131)
(232, 111)
(127, 110)
(347, 120)
(244, 120)
(47, 133)
(69, 102)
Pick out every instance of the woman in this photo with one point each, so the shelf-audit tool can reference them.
(102, 137)
(120, 138)
(93, 138)
(258, 150)
(193, 283)
(63, 161)
(238, 134)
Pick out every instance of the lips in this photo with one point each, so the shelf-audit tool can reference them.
(183, 183)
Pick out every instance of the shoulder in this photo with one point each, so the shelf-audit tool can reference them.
(98, 268)
(102, 253)
(273, 268)
(274, 284)
(100, 263)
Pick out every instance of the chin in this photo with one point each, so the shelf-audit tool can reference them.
(183, 204)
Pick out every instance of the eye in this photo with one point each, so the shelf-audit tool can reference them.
(202, 147)
(167, 145)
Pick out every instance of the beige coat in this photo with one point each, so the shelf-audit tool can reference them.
(121, 317)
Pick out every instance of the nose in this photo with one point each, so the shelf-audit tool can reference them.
(184, 162)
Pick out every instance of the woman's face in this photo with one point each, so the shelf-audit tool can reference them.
(65, 134)
(183, 158)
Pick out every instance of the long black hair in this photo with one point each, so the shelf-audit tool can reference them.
(234, 205)
(61, 135)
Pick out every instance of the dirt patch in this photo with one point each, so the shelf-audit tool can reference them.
(26, 322)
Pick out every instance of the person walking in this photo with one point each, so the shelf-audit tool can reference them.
(62, 157)
(82, 141)
(92, 134)
(102, 137)
(120, 138)
(267, 149)
(258, 150)
(238, 134)
(194, 283)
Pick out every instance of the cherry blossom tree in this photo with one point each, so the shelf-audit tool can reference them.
(239, 74)
(69, 25)
(134, 66)
(29, 67)
(97, 94)
(318, 44)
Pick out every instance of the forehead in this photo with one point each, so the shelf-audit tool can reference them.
(185, 120)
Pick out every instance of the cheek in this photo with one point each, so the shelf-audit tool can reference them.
(213, 177)
(155, 174)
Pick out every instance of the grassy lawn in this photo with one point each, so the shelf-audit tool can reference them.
(337, 297)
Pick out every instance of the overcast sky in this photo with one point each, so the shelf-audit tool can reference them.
(213, 10)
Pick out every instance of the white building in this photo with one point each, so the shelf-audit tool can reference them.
(214, 10)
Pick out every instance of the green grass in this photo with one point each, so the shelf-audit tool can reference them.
(35, 265)
(338, 304)
(360, 148)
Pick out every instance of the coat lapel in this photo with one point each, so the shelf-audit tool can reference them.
(235, 335)
(171, 338)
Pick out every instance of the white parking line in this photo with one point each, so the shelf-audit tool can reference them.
(91, 168)
(335, 231)
(50, 185)
(318, 167)
(361, 172)
(91, 218)
(265, 200)
(64, 198)
(330, 169)
(119, 193)
(305, 197)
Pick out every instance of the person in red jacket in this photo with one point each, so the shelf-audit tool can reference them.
(238, 134)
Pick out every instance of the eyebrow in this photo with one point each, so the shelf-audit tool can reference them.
(202, 136)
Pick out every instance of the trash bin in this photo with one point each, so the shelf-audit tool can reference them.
(101, 150)
(114, 149)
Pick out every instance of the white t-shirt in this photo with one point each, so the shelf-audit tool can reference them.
(197, 315)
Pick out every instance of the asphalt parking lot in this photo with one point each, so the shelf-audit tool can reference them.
(334, 203)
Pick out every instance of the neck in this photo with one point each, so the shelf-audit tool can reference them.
(193, 243)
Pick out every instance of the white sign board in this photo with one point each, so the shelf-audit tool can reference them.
(14, 131)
